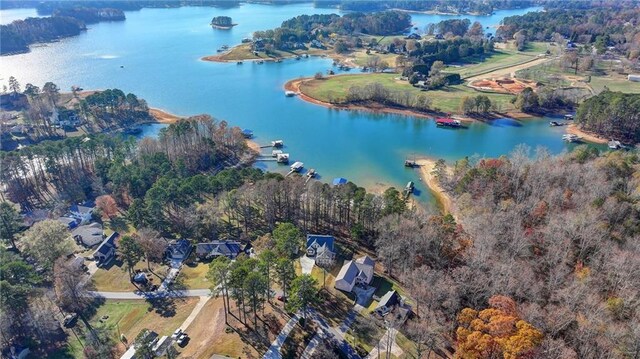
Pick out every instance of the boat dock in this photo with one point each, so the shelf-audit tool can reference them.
(408, 189)
(310, 174)
(295, 167)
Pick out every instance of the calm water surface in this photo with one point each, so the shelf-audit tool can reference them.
(160, 50)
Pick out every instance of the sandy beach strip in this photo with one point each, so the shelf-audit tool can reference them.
(445, 202)
(573, 129)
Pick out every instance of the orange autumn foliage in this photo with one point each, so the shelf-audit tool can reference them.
(497, 331)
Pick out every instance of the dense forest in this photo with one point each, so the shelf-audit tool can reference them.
(600, 27)
(17, 36)
(91, 15)
(553, 239)
(613, 115)
(305, 28)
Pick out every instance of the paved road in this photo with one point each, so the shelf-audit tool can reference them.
(151, 295)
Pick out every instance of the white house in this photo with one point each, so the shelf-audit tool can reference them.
(352, 273)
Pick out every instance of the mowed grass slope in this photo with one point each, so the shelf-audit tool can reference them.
(334, 89)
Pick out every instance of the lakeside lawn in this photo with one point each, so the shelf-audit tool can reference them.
(244, 52)
(334, 89)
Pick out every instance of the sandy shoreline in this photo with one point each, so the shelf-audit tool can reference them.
(445, 202)
(572, 128)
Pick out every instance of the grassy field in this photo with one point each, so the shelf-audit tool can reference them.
(128, 317)
(193, 275)
(209, 337)
(116, 277)
(552, 73)
(498, 60)
(362, 59)
(244, 52)
(448, 99)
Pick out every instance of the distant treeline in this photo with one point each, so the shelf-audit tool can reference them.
(446, 6)
(599, 26)
(613, 115)
(91, 15)
(305, 28)
(17, 36)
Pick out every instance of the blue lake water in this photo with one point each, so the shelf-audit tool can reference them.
(160, 51)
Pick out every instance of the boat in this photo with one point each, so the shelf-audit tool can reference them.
(260, 62)
(554, 123)
(277, 143)
(289, 93)
(409, 187)
(447, 122)
(224, 47)
(282, 158)
(275, 153)
(409, 163)
(614, 145)
(278, 60)
(247, 133)
(568, 117)
(297, 166)
(239, 63)
(570, 137)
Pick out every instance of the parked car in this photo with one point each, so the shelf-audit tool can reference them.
(176, 334)
(70, 320)
(281, 298)
(183, 339)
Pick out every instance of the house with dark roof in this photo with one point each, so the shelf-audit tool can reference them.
(214, 249)
(179, 250)
(355, 272)
(88, 235)
(106, 251)
(321, 248)
(392, 302)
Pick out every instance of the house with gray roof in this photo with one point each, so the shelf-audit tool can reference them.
(82, 212)
(355, 272)
(214, 249)
(88, 235)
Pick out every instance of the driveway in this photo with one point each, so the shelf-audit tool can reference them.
(274, 349)
(382, 344)
(307, 264)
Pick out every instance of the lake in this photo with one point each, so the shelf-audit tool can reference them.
(160, 50)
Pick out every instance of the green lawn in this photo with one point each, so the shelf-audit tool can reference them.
(334, 89)
(496, 61)
(193, 275)
(244, 52)
(128, 317)
(116, 277)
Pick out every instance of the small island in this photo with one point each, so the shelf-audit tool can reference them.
(222, 22)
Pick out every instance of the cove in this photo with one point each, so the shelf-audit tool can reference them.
(160, 50)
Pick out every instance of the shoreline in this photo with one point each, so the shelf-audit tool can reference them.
(294, 85)
(443, 199)
(221, 27)
(167, 118)
(573, 129)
